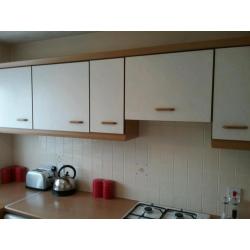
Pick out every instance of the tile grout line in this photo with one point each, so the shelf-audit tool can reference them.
(112, 162)
(147, 173)
(218, 181)
(101, 151)
(173, 177)
(203, 170)
(123, 169)
(172, 183)
(187, 188)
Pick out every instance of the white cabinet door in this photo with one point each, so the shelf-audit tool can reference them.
(107, 96)
(61, 97)
(231, 112)
(16, 98)
(169, 87)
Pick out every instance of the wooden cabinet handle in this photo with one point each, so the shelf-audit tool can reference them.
(22, 119)
(76, 122)
(164, 109)
(108, 123)
(235, 127)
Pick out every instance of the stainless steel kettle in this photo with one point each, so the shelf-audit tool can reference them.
(65, 185)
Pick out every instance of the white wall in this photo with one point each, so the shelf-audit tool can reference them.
(106, 41)
(6, 150)
(170, 163)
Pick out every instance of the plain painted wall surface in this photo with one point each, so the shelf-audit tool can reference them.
(6, 150)
(106, 41)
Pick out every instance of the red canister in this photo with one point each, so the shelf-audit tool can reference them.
(108, 189)
(97, 188)
(20, 173)
(13, 173)
(5, 175)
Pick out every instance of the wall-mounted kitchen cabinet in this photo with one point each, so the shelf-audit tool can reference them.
(169, 87)
(107, 96)
(16, 98)
(231, 112)
(83, 95)
(61, 97)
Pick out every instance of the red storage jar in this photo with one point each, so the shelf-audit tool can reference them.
(13, 173)
(20, 173)
(108, 189)
(5, 175)
(97, 188)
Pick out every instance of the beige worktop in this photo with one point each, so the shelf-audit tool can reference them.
(13, 192)
(19, 200)
(15, 198)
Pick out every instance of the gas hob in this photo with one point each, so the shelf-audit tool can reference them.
(151, 211)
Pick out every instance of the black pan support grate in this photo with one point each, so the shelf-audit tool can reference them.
(161, 209)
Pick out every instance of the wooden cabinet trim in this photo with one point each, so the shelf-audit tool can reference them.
(131, 131)
(239, 127)
(231, 144)
(179, 47)
(165, 109)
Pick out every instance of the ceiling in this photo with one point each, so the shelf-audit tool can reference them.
(28, 36)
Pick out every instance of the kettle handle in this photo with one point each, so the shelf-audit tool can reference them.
(67, 166)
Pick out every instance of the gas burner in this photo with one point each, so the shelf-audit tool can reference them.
(179, 215)
(148, 210)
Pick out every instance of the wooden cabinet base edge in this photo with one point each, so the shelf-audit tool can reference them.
(231, 144)
(131, 131)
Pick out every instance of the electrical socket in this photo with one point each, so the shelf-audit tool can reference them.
(231, 190)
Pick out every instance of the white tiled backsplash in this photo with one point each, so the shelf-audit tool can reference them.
(170, 163)
(6, 150)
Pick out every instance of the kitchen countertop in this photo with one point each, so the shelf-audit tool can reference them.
(12, 192)
(19, 200)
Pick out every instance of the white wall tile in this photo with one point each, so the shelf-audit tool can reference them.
(171, 163)
(129, 163)
(243, 166)
(166, 194)
(107, 160)
(211, 161)
(96, 159)
(6, 152)
(194, 186)
(228, 162)
(118, 162)
(210, 192)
